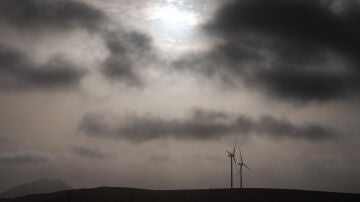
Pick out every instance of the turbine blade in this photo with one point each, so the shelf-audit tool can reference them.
(236, 164)
(234, 149)
(238, 169)
(229, 152)
(240, 154)
(247, 167)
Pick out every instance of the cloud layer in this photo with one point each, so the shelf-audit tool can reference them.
(201, 125)
(49, 15)
(126, 49)
(18, 72)
(23, 158)
(296, 50)
(91, 152)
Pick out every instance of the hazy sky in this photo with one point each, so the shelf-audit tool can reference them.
(151, 93)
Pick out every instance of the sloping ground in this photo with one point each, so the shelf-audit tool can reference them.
(37, 187)
(105, 194)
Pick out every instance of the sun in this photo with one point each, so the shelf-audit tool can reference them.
(175, 17)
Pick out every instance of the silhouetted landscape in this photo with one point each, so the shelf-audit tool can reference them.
(194, 100)
(111, 194)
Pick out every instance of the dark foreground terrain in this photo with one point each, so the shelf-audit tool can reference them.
(106, 194)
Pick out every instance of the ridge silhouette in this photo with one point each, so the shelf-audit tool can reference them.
(104, 194)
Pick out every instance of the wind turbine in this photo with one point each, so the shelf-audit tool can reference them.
(232, 158)
(241, 164)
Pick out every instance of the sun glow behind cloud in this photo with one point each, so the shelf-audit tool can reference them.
(173, 14)
(174, 24)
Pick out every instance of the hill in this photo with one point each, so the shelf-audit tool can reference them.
(39, 186)
(107, 194)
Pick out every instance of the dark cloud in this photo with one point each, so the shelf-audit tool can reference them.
(23, 158)
(119, 66)
(48, 15)
(294, 49)
(201, 125)
(126, 49)
(17, 71)
(305, 85)
(91, 152)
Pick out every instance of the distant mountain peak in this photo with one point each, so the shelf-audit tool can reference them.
(36, 187)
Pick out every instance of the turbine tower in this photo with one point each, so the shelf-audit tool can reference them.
(232, 158)
(242, 164)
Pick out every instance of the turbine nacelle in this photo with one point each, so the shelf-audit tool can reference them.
(230, 154)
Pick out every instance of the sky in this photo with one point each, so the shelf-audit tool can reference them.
(152, 93)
